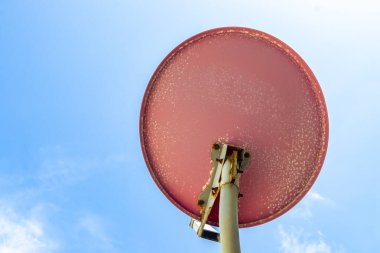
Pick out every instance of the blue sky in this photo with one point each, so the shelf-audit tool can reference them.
(72, 77)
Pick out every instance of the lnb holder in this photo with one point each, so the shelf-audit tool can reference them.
(208, 232)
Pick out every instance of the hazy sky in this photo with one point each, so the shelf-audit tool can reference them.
(72, 77)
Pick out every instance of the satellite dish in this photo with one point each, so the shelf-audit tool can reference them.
(250, 100)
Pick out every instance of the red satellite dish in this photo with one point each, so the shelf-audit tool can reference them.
(242, 87)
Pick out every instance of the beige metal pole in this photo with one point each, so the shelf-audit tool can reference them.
(228, 215)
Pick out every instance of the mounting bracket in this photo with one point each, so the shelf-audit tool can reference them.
(228, 164)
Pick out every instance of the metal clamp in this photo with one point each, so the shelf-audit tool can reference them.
(238, 158)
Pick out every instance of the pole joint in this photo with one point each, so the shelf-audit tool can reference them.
(237, 160)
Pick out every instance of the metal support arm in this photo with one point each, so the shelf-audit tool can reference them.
(228, 164)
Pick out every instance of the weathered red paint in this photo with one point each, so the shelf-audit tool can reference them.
(242, 87)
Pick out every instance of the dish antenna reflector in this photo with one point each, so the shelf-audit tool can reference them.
(250, 100)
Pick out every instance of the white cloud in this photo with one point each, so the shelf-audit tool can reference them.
(297, 242)
(24, 228)
(303, 210)
(19, 234)
(57, 169)
(94, 226)
(315, 196)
